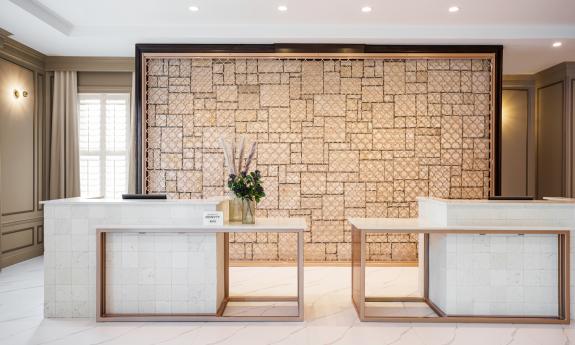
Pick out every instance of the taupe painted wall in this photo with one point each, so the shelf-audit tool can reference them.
(572, 128)
(546, 101)
(515, 139)
(551, 141)
(21, 158)
(555, 123)
(16, 139)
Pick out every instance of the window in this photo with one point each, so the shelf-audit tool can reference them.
(104, 138)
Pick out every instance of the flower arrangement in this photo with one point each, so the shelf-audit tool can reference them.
(245, 185)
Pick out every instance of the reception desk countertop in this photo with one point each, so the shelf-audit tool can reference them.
(262, 224)
(411, 225)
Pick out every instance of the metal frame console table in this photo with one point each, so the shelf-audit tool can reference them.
(268, 225)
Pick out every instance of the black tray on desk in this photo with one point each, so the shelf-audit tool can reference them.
(520, 197)
(144, 196)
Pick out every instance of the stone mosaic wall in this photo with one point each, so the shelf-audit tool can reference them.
(337, 138)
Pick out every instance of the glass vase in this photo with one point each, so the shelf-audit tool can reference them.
(248, 211)
(235, 210)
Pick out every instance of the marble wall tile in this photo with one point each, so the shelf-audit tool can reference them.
(70, 251)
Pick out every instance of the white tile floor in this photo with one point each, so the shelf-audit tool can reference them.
(330, 317)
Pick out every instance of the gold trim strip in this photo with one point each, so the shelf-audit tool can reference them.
(324, 55)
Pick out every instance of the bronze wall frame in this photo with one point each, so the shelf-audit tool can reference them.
(355, 49)
(358, 281)
(102, 315)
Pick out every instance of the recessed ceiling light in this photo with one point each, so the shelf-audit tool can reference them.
(366, 9)
(194, 8)
(453, 9)
(557, 44)
(282, 8)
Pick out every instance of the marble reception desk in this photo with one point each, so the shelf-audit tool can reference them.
(480, 261)
(147, 260)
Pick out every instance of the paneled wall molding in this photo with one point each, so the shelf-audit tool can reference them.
(572, 98)
(25, 66)
(519, 80)
(89, 64)
(562, 74)
(512, 84)
(554, 73)
(23, 55)
(23, 221)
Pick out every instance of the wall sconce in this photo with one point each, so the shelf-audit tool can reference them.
(17, 93)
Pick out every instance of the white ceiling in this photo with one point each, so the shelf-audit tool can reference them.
(526, 28)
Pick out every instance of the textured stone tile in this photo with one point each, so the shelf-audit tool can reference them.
(350, 86)
(345, 161)
(180, 103)
(481, 82)
(156, 181)
(171, 161)
(289, 196)
(337, 138)
(201, 79)
(361, 141)
(274, 95)
(405, 105)
(372, 171)
(329, 105)
(335, 130)
(405, 168)
(327, 231)
(394, 77)
(403, 251)
(269, 66)
(279, 120)
(389, 139)
(354, 194)
(332, 207)
(313, 183)
(312, 151)
(298, 110)
(383, 115)
(189, 181)
(312, 77)
(473, 126)
(248, 101)
(372, 94)
(274, 153)
(451, 129)
(443, 81)
(428, 146)
(214, 164)
(171, 139)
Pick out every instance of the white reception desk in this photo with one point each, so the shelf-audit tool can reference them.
(123, 260)
(481, 261)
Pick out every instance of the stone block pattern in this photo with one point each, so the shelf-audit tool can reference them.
(337, 138)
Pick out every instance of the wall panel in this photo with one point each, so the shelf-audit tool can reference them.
(17, 139)
(551, 141)
(515, 142)
(17, 239)
(21, 146)
(337, 138)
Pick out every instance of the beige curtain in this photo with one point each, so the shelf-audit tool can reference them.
(64, 149)
(132, 150)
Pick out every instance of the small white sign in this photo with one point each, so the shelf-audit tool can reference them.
(213, 218)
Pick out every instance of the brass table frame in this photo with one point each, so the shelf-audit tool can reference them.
(103, 315)
(358, 257)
